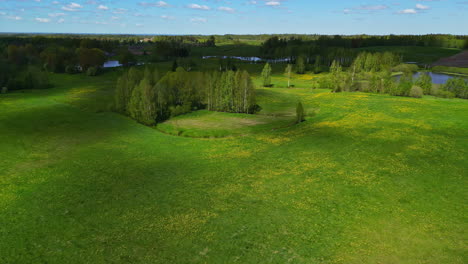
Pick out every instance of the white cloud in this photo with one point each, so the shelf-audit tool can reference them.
(422, 7)
(61, 21)
(198, 20)
(103, 7)
(15, 17)
(42, 20)
(372, 7)
(162, 4)
(409, 11)
(157, 4)
(226, 9)
(273, 3)
(166, 17)
(72, 7)
(201, 7)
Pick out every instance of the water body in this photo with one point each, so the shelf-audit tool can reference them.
(249, 59)
(115, 63)
(437, 78)
(111, 64)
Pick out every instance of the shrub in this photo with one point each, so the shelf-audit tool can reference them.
(405, 68)
(71, 69)
(4, 90)
(457, 86)
(180, 109)
(416, 92)
(435, 90)
(92, 71)
(445, 94)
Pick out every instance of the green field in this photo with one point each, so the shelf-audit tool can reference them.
(368, 179)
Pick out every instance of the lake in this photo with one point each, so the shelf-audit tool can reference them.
(115, 63)
(111, 64)
(437, 78)
(250, 59)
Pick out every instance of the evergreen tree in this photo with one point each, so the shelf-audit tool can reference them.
(266, 75)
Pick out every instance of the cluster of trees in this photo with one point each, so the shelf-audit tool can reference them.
(372, 72)
(292, 42)
(168, 49)
(149, 97)
(456, 87)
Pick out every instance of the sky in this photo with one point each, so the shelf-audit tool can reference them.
(206, 17)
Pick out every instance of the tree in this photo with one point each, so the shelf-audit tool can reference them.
(425, 82)
(90, 57)
(287, 72)
(174, 66)
(266, 75)
(142, 105)
(317, 64)
(300, 65)
(126, 57)
(336, 76)
(300, 114)
(211, 42)
(457, 86)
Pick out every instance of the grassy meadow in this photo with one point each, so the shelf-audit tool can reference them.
(367, 178)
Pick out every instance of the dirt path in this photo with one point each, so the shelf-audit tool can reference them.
(459, 60)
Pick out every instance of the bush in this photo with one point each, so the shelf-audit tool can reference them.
(181, 109)
(445, 94)
(4, 90)
(457, 86)
(405, 68)
(71, 69)
(92, 71)
(416, 92)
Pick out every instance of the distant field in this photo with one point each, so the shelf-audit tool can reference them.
(416, 54)
(369, 179)
(458, 60)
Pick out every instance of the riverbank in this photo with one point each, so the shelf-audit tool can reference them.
(451, 70)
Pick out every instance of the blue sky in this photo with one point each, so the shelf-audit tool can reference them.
(235, 16)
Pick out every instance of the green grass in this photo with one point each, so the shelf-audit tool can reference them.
(452, 70)
(369, 179)
(416, 54)
(206, 124)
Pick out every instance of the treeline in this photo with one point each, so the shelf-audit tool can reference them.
(372, 72)
(300, 42)
(149, 97)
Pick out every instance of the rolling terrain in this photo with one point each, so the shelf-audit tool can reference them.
(368, 178)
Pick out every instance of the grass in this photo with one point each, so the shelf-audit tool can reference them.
(370, 179)
(451, 70)
(416, 54)
(206, 124)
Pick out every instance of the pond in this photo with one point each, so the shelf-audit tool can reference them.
(111, 64)
(115, 63)
(437, 78)
(249, 59)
